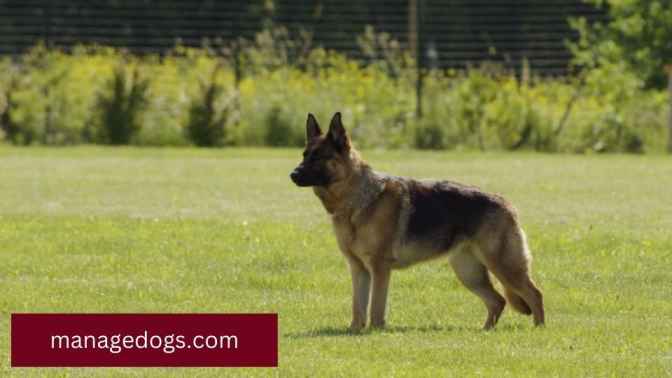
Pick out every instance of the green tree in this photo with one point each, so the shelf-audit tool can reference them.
(636, 32)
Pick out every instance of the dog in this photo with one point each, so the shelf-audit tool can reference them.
(385, 222)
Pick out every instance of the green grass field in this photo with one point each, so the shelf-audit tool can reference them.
(182, 230)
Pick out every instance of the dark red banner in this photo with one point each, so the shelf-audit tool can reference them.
(144, 340)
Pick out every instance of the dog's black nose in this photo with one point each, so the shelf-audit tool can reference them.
(294, 175)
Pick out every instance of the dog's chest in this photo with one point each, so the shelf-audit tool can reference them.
(363, 241)
(368, 244)
(370, 229)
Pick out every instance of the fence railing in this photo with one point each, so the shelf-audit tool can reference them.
(449, 33)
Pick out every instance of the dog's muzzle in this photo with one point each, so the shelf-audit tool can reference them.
(297, 176)
(294, 175)
(305, 176)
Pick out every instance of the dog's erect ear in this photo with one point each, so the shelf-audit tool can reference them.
(337, 133)
(312, 128)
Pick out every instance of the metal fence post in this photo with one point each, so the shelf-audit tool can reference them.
(419, 57)
(46, 23)
(413, 27)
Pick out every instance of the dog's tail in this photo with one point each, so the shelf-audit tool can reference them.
(517, 302)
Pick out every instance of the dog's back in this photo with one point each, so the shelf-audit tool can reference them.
(446, 213)
(386, 222)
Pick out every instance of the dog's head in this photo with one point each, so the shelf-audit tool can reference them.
(326, 159)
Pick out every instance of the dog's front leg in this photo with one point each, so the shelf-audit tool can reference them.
(361, 283)
(381, 281)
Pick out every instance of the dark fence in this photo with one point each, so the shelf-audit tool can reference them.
(450, 33)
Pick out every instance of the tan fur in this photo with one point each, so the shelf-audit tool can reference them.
(370, 213)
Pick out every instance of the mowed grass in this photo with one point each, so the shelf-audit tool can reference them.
(181, 230)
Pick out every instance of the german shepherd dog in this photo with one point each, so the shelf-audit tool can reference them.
(385, 222)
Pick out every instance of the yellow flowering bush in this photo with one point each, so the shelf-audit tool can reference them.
(196, 96)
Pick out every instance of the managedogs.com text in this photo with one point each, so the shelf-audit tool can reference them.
(166, 343)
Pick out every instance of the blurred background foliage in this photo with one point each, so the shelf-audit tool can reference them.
(636, 33)
(258, 92)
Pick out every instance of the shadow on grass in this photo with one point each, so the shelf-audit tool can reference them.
(336, 331)
(344, 331)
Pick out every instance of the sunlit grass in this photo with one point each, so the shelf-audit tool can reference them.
(183, 230)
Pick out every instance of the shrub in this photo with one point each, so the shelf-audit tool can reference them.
(103, 95)
(206, 124)
(280, 131)
(429, 137)
(50, 99)
(121, 103)
(474, 92)
(9, 82)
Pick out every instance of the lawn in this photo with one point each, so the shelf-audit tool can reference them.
(93, 229)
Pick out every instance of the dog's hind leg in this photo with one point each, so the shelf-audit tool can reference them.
(473, 274)
(520, 283)
(508, 259)
(517, 302)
